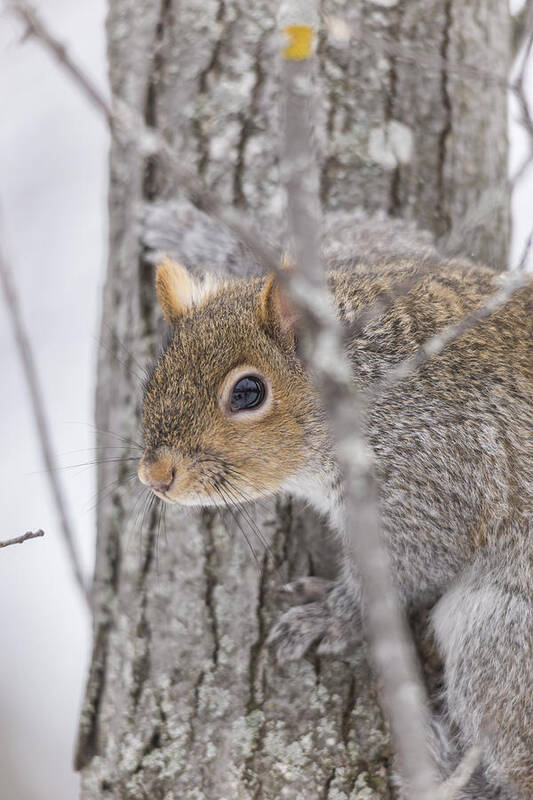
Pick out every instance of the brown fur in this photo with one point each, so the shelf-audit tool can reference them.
(214, 455)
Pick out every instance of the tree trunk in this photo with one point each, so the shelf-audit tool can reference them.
(183, 700)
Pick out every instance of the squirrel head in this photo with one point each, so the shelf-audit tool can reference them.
(228, 410)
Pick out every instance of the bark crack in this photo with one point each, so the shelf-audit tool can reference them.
(257, 645)
(86, 747)
(349, 706)
(142, 661)
(441, 212)
(150, 189)
(203, 78)
(154, 523)
(248, 124)
(113, 554)
(251, 775)
(210, 572)
(329, 781)
(329, 159)
(156, 739)
(395, 203)
(195, 708)
(150, 186)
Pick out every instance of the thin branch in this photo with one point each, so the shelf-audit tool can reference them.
(521, 24)
(23, 538)
(522, 264)
(403, 693)
(28, 365)
(37, 28)
(450, 788)
(513, 282)
(518, 88)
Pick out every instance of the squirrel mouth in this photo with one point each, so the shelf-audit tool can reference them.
(164, 496)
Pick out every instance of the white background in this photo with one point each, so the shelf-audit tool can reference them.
(53, 173)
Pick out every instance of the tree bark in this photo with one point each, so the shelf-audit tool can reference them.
(182, 698)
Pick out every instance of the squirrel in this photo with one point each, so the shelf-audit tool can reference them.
(230, 414)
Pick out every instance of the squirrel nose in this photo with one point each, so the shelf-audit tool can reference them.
(163, 485)
(157, 474)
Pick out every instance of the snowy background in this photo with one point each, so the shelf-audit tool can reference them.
(53, 182)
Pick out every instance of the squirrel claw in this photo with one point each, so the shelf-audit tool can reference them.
(308, 590)
(326, 619)
(337, 641)
(312, 626)
(298, 630)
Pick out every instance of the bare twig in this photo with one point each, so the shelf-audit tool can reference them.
(513, 282)
(477, 217)
(36, 28)
(519, 90)
(28, 365)
(522, 264)
(23, 538)
(450, 788)
(404, 696)
(521, 25)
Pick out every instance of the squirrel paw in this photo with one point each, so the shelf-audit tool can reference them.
(312, 625)
(298, 630)
(339, 639)
(308, 590)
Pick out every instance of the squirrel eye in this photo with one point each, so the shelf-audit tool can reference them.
(248, 392)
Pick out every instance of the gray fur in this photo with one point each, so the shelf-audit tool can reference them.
(453, 447)
(454, 457)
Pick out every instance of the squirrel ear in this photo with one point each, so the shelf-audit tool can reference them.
(276, 311)
(175, 289)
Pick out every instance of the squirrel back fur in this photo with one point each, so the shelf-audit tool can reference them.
(230, 414)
